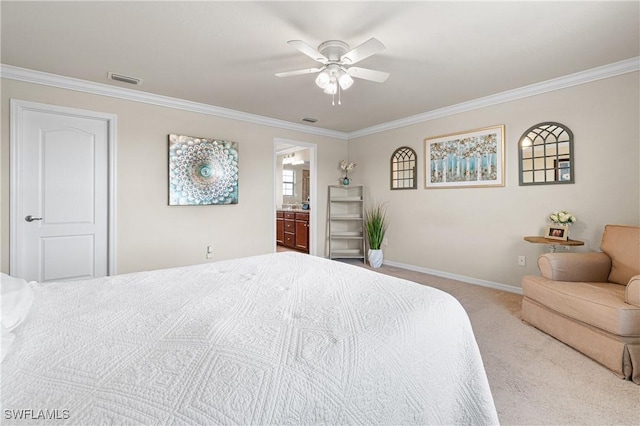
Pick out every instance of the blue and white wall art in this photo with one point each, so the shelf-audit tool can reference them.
(202, 171)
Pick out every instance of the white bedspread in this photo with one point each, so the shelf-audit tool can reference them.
(274, 339)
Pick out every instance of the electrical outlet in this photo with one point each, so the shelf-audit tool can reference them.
(522, 261)
(385, 242)
(209, 252)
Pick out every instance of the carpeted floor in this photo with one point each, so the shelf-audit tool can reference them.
(535, 379)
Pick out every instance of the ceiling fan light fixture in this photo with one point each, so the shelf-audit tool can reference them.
(333, 77)
(323, 79)
(345, 80)
(332, 88)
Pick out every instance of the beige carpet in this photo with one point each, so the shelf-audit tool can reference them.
(535, 379)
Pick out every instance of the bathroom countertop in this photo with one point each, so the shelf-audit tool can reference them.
(294, 210)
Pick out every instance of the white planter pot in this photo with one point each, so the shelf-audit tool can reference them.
(375, 258)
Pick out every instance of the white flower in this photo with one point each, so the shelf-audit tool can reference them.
(347, 166)
(562, 217)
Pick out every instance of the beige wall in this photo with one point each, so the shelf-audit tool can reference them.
(478, 232)
(150, 234)
(475, 233)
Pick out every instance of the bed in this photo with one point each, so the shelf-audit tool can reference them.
(280, 339)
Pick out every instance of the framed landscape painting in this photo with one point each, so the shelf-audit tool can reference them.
(202, 171)
(473, 158)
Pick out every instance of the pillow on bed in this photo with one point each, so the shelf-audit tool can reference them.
(17, 297)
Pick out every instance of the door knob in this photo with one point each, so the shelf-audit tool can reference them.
(31, 218)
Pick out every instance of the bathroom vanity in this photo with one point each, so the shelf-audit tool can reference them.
(292, 229)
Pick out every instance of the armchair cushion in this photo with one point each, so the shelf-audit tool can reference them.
(600, 305)
(588, 267)
(632, 295)
(622, 244)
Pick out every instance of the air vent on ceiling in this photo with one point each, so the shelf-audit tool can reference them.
(310, 120)
(125, 78)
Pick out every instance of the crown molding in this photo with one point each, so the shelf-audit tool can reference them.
(47, 79)
(69, 83)
(598, 73)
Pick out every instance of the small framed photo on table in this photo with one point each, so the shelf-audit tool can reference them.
(557, 232)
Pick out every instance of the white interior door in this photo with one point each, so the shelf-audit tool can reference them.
(62, 198)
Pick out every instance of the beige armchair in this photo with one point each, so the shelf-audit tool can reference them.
(591, 301)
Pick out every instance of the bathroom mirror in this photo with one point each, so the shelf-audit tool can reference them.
(546, 155)
(293, 181)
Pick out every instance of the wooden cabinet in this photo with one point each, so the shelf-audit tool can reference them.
(280, 228)
(292, 230)
(302, 232)
(289, 240)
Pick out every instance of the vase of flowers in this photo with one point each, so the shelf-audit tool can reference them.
(346, 167)
(562, 218)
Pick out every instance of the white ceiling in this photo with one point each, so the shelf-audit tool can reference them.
(226, 53)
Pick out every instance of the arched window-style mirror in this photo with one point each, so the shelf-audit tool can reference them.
(403, 169)
(545, 152)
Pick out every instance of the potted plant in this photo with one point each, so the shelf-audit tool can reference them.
(375, 223)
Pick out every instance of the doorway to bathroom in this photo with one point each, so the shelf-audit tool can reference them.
(295, 189)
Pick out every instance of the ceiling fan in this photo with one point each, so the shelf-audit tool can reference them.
(336, 71)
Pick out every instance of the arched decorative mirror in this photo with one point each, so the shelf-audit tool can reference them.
(403, 169)
(546, 155)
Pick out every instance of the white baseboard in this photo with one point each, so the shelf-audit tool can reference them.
(464, 279)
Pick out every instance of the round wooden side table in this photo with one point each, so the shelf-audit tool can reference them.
(553, 243)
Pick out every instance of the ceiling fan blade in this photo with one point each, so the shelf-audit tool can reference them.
(298, 72)
(308, 50)
(366, 49)
(367, 74)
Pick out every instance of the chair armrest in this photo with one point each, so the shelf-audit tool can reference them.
(632, 293)
(587, 267)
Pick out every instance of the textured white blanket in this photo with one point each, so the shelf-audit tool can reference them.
(274, 339)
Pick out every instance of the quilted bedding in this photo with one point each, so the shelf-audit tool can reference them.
(274, 339)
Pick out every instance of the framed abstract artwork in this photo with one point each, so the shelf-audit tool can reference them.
(473, 158)
(202, 171)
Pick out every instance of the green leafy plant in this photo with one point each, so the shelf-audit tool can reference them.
(375, 223)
